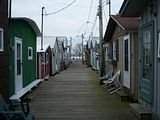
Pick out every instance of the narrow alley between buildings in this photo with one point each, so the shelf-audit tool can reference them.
(74, 94)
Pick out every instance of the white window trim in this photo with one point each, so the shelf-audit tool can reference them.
(47, 59)
(114, 50)
(30, 57)
(2, 38)
(43, 58)
(107, 54)
(159, 45)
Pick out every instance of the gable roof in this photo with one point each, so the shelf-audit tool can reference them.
(123, 22)
(31, 23)
(62, 39)
(61, 45)
(45, 47)
(51, 40)
(126, 23)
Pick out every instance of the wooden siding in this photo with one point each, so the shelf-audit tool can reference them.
(157, 83)
(134, 64)
(118, 35)
(4, 66)
(23, 30)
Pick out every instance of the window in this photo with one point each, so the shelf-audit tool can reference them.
(159, 45)
(18, 58)
(115, 50)
(42, 58)
(1, 39)
(47, 58)
(146, 53)
(126, 55)
(107, 54)
(30, 53)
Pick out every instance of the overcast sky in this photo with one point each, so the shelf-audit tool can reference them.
(69, 22)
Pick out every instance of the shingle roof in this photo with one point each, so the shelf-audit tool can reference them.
(126, 22)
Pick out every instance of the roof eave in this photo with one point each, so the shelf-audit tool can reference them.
(110, 27)
(132, 8)
(31, 23)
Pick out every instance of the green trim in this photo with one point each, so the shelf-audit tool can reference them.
(147, 99)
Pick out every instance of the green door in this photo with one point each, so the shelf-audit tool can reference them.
(146, 63)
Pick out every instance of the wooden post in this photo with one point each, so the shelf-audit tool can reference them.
(82, 47)
(102, 63)
(42, 29)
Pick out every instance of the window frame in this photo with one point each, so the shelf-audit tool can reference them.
(126, 55)
(2, 40)
(158, 45)
(43, 58)
(30, 57)
(115, 51)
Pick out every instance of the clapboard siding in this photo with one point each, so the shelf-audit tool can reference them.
(4, 64)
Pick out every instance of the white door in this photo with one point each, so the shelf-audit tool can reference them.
(126, 64)
(18, 64)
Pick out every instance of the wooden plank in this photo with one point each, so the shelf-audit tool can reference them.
(75, 94)
(123, 95)
(140, 112)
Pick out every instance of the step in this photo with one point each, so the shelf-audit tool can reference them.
(123, 95)
(140, 112)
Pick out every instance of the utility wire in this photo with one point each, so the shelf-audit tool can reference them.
(57, 2)
(104, 12)
(94, 24)
(89, 15)
(81, 28)
(61, 9)
(60, 3)
(105, 16)
(105, 3)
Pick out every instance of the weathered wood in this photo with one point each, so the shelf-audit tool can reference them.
(140, 112)
(75, 94)
(4, 59)
(123, 96)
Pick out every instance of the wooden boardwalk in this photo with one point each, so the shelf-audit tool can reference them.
(75, 94)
